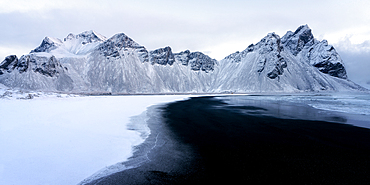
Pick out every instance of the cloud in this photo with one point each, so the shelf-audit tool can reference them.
(356, 58)
(215, 27)
(24, 6)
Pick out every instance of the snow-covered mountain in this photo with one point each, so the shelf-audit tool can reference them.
(295, 62)
(88, 62)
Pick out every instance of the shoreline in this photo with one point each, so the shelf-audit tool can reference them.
(158, 155)
(204, 140)
(144, 153)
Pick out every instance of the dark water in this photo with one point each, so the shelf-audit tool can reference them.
(205, 140)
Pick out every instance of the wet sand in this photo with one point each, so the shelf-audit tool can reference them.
(203, 140)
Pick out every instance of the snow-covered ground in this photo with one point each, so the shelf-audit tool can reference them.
(62, 139)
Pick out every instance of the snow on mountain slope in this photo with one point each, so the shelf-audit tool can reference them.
(72, 45)
(295, 63)
(88, 62)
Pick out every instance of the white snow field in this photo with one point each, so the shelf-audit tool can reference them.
(62, 141)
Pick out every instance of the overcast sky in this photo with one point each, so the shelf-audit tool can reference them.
(214, 27)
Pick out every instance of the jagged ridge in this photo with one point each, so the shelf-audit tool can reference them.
(88, 62)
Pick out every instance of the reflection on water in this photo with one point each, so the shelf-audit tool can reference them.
(280, 109)
(333, 108)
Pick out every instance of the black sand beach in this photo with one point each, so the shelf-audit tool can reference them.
(204, 140)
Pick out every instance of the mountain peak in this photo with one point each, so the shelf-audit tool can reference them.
(122, 40)
(269, 43)
(69, 37)
(48, 44)
(302, 29)
(90, 37)
(296, 41)
(113, 45)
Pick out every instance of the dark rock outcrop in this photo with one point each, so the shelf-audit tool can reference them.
(183, 57)
(8, 64)
(112, 46)
(279, 68)
(318, 54)
(89, 37)
(324, 57)
(270, 48)
(197, 61)
(301, 38)
(47, 66)
(162, 56)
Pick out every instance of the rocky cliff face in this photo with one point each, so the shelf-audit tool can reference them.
(113, 46)
(162, 56)
(49, 67)
(88, 62)
(8, 64)
(34, 72)
(297, 41)
(318, 54)
(196, 60)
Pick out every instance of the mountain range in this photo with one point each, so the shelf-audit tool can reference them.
(91, 63)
